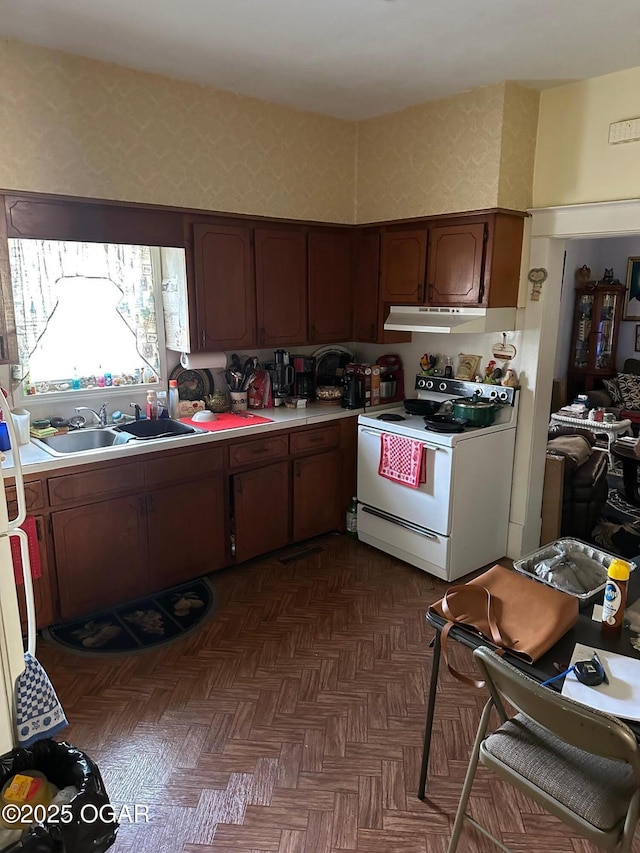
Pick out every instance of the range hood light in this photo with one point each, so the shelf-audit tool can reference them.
(413, 318)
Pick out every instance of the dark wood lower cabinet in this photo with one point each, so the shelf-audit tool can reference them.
(261, 510)
(317, 494)
(101, 553)
(187, 536)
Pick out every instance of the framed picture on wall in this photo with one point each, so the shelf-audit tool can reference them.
(632, 295)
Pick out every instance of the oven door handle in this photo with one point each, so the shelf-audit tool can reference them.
(409, 525)
(380, 432)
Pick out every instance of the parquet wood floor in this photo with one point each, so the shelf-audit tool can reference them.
(292, 722)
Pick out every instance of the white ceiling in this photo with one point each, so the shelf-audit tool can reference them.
(347, 58)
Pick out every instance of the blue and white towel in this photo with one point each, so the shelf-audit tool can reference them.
(39, 713)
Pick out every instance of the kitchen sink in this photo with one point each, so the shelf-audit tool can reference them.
(162, 428)
(76, 442)
(82, 440)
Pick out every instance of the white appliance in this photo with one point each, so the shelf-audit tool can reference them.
(457, 521)
(11, 645)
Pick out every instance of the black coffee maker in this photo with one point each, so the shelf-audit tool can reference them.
(353, 397)
(304, 382)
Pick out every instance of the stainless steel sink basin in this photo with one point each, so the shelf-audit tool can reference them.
(76, 442)
(162, 428)
(83, 440)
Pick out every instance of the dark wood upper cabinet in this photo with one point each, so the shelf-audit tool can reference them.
(330, 287)
(225, 289)
(281, 287)
(369, 311)
(403, 260)
(366, 284)
(455, 264)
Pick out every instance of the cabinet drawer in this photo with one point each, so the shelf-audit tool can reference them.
(184, 466)
(33, 493)
(261, 450)
(96, 484)
(318, 438)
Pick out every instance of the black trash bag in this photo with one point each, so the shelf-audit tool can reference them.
(64, 765)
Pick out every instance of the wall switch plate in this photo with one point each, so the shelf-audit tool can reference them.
(624, 131)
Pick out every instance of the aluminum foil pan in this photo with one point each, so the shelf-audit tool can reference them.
(569, 565)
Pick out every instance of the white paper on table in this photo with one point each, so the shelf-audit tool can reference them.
(621, 697)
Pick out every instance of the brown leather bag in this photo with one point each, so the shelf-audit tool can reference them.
(512, 612)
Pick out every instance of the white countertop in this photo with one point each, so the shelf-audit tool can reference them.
(35, 460)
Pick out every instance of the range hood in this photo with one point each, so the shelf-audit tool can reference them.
(414, 318)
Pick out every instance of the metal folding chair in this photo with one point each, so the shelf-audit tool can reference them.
(579, 764)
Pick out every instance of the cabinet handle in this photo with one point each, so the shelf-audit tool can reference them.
(38, 530)
(142, 505)
(430, 291)
(314, 439)
(152, 504)
(261, 335)
(312, 333)
(203, 338)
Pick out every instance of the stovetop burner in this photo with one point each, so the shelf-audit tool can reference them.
(391, 416)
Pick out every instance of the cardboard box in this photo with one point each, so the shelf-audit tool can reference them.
(371, 381)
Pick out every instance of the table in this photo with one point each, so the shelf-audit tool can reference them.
(630, 462)
(612, 431)
(585, 631)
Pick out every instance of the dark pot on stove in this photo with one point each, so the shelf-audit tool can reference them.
(475, 410)
(421, 407)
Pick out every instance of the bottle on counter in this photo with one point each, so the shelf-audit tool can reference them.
(174, 399)
(162, 404)
(152, 406)
(615, 598)
(352, 519)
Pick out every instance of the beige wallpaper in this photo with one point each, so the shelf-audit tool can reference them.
(76, 126)
(519, 126)
(437, 157)
(574, 161)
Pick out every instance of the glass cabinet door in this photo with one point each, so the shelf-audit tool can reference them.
(584, 313)
(604, 332)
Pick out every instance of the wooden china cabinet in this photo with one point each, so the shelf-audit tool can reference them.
(594, 340)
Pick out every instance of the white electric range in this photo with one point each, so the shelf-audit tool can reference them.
(457, 521)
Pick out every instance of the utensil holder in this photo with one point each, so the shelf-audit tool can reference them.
(238, 401)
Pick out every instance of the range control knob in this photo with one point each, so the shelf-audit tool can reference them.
(429, 384)
(503, 395)
(477, 392)
(421, 383)
(493, 395)
(442, 386)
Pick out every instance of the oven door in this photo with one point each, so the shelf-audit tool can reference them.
(428, 506)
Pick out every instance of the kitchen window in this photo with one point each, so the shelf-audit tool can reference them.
(88, 315)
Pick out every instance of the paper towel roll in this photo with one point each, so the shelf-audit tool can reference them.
(198, 360)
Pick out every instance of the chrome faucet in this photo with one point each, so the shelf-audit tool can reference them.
(101, 415)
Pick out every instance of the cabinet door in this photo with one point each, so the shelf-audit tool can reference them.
(317, 495)
(403, 266)
(365, 295)
(456, 255)
(330, 276)
(281, 287)
(225, 287)
(101, 554)
(43, 587)
(186, 526)
(261, 510)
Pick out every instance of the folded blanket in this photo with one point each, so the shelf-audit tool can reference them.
(576, 448)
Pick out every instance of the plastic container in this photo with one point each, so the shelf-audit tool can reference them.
(162, 404)
(615, 598)
(22, 423)
(174, 399)
(352, 519)
(600, 560)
